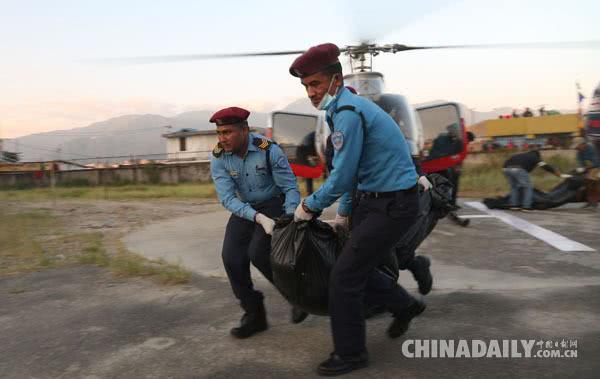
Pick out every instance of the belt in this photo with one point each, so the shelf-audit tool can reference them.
(278, 198)
(382, 195)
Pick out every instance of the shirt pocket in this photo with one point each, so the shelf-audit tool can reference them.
(236, 176)
(261, 176)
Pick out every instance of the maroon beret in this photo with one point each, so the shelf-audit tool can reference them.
(231, 115)
(315, 59)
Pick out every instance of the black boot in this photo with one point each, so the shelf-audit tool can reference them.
(401, 321)
(298, 315)
(337, 365)
(419, 267)
(253, 321)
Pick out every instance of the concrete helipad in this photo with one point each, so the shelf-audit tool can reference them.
(494, 280)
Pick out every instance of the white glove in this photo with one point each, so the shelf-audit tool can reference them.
(566, 176)
(301, 215)
(341, 221)
(265, 222)
(425, 183)
(579, 170)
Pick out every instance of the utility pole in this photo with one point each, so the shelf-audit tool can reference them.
(580, 98)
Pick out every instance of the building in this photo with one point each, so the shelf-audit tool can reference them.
(190, 145)
(555, 130)
(196, 145)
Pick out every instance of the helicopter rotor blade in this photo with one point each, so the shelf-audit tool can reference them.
(363, 48)
(593, 44)
(192, 57)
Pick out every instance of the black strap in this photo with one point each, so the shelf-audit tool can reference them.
(363, 122)
(329, 145)
(269, 170)
(265, 144)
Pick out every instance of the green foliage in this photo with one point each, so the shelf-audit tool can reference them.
(76, 183)
(485, 177)
(115, 192)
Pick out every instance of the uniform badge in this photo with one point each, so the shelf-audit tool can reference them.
(233, 173)
(262, 143)
(337, 140)
(217, 151)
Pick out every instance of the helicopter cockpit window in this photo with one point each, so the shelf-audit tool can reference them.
(295, 133)
(442, 129)
(399, 109)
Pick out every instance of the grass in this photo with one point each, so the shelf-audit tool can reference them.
(481, 178)
(21, 239)
(36, 240)
(127, 264)
(126, 192)
(485, 178)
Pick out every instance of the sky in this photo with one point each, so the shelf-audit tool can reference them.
(50, 78)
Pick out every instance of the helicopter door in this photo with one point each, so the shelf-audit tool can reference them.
(295, 134)
(445, 137)
(403, 113)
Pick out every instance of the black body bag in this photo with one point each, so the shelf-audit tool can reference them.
(302, 256)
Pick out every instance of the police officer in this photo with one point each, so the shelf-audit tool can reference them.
(371, 155)
(254, 181)
(418, 265)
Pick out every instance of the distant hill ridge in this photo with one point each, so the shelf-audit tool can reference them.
(140, 134)
(136, 135)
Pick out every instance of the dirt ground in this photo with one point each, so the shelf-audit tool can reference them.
(112, 216)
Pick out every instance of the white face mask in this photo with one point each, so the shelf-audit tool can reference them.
(327, 98)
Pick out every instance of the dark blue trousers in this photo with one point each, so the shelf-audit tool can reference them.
(246, 242)
(377, 225)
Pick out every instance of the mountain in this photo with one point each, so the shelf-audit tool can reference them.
(124, 136)
(141, 135)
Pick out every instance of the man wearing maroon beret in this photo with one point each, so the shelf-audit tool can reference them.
(253, 180)
(370, 157)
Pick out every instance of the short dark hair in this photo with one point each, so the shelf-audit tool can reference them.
(335, 68)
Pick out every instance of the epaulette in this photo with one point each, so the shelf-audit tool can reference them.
(217, 151)
(262, 143)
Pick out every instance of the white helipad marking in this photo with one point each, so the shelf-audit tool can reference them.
(476, 216)
(443, 232)
(554, 239)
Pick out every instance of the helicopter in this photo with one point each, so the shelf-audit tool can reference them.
(303, 135)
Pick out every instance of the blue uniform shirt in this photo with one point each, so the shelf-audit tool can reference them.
(379, 162)
(242, 182)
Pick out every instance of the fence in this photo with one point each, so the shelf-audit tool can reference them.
(151, 173)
